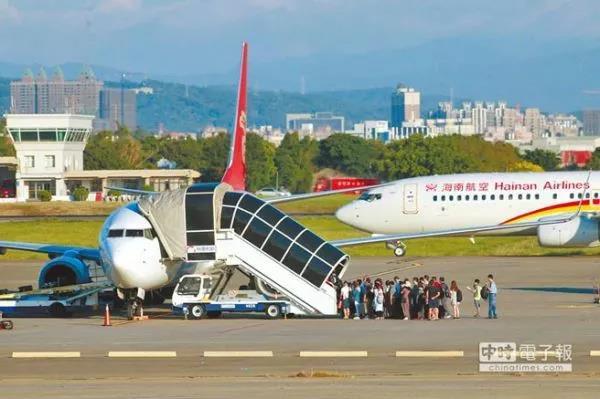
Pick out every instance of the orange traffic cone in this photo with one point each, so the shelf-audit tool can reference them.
(106, 317)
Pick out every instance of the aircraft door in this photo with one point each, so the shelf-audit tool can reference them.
(410, 198)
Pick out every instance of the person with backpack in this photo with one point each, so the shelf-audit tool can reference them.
(446, 301)
(476, 290)
(433, 299)
(492, 292)
(456, 299)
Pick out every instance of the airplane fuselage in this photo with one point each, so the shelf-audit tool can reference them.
(445, 202)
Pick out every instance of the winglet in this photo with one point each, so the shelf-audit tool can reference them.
(235, 175)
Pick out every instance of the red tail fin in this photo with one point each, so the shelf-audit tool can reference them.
(235, 175)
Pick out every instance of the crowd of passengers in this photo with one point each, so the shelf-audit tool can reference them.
(422, 298)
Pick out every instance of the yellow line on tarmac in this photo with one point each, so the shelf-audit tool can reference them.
(32, 355)
(142, 354)
(238, 354)
(334, 354)
(430, 354)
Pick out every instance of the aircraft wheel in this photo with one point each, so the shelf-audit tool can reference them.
(273, 311)
(57, 310)
(399, 251)
(197, 311)
(7, 325)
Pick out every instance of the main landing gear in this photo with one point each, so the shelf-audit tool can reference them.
(398, 247)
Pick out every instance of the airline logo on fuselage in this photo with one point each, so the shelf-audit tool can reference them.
(505, 186)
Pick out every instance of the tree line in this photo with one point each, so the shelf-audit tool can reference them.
(294, 163)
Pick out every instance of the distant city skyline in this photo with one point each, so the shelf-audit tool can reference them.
(538, 53)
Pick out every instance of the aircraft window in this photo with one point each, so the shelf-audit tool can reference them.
(115, 233)
(528, 196)
(149, 234)
(579, 195)
(443, 198)
(231, 198)
(369, 197)
(554, 196)
(571, 195)
(290, 227)
(459, 197)
(483, 197)
(250, 203)
(450, 198)
(270, 214)
(467, 197)
(276, 245)
(226, 216)
(317, 271)
(309, 240)
(330, 254)
(435, 198)
(493, 197)
(241, 220)
(587, 195)
(520, 196)
(475, 197)
(501, 197)
(296, 258)
(595, 195)
(134, 233)
(257, 232)
(199, 212)
(537, 196)
(189, 286)
(510, 196)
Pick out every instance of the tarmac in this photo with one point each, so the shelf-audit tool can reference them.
(542, 301)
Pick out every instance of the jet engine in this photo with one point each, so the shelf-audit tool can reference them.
(580, 232)
(64, 270)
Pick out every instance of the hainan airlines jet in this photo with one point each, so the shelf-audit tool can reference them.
(454, 202)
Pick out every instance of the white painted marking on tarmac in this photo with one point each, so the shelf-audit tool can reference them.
(238, 354)
(33, 355)
(430, 354)
(142, 354)
(595, 353)
(334, 354)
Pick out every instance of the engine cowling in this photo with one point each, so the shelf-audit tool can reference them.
(64, 270)
(580, 232)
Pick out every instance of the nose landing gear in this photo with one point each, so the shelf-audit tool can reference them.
(398, 247)
(135, 303)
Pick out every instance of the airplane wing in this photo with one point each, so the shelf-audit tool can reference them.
(51, 249)
(297, 197)
(441, 233)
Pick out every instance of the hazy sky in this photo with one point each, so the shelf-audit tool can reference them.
(185, 36)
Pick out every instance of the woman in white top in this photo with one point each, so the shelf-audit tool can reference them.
(345, 296)
(378, 300)
(455, 299)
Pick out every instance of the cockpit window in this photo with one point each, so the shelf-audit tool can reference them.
(370, 197)
(115, 233)
(134, 233)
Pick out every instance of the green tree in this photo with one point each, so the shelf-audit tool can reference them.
(260, 162)
(106, 150)
(594, 162)
(213, 157)
(548, 160)
(186, 153)
(349, 154)
(295, 159)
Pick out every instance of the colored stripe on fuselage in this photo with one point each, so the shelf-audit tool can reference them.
(567, 207)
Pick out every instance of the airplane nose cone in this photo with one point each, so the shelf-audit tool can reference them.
(131, 269)
(347, 214)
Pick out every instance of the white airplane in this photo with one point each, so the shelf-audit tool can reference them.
(467, 201)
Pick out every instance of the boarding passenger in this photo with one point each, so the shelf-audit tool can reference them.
(378, 299)
(492, 293)
(345, 296)
(405, 301)
(433, 299)
(357, 296)
(446, 302)
(476, 290)
(455, 299)
(414, 299)
(389, 299)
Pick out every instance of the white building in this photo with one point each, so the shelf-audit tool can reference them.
(49, 157)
